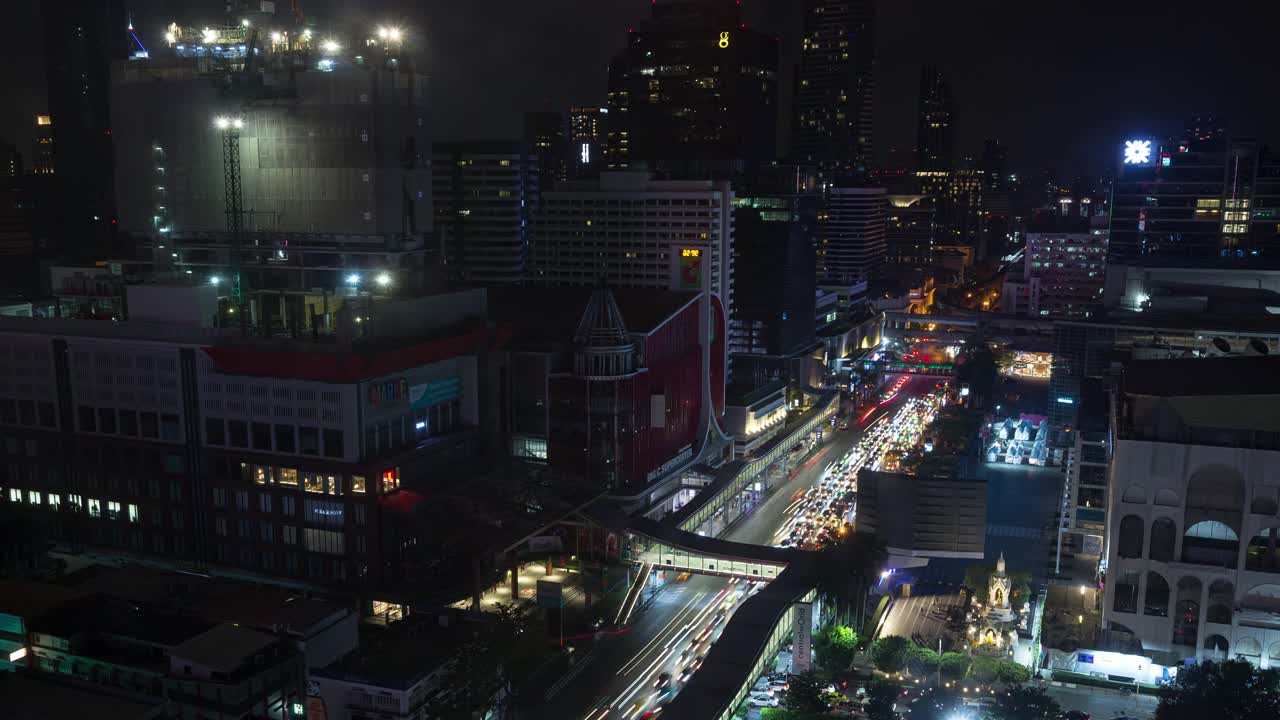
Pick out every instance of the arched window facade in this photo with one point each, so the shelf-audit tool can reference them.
(1130, 540)
(1213, 516)
(1156, 599)
(1263, 553)
(1126, 597)
(1221, 600)
(1216, 648)
(1186, 618)
(1164, 539)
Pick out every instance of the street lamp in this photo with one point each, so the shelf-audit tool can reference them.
(353, 279)
(215, 280)
(383, 279)
(331, 46)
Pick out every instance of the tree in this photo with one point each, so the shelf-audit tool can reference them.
(880, 700)
(835, 647)
(922, 660)
(890, 653)
(1008, 671)
(1231, 690)
(848, 567)
(1024, 703)
(984, 669)
(955, 665)
(487, 670)
(805, 694)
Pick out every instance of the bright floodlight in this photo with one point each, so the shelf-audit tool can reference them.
(276, 37)
(237, 123)
(393, 34)
(222, 122)
(353, 279)
(209, 35)
(383, 33)
(170, 37)
(215, 280)
(331, 46)
(383, 279)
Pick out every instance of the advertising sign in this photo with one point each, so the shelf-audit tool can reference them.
(691, 268)
(802, 638)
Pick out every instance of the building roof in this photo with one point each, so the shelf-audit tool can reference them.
(40, 696)
(29, 599)
(215, 599)
(400, 655)
(223, 648)
(1228, 375)
(551, 315)
(102, 614)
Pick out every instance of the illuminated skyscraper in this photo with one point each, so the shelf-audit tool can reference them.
(81, 39)
(588, 141)
(545, 136)
(835, 86)
(694, 94)
(935, 144)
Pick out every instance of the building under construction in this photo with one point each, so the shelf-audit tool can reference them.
(307, 149)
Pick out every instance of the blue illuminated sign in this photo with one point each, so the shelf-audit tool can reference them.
(1140, 152)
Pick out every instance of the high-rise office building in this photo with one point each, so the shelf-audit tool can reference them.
(1065, 268)
(631, 231)
(333, 151)
(483, 194)
(42, 162)
(694, 94)
(588, 141)
(776, 222)
(909, 229)
(544, 133)
(81, 40)
(851, 240)
(963, 207)
(835, 86)
(935, 130)
(1200, 200)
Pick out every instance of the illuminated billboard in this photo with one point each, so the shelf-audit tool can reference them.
(1140, 152)
(690, 268)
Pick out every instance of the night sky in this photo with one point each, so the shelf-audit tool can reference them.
(1060, 83)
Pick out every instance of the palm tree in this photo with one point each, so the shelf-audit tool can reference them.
(847, 568)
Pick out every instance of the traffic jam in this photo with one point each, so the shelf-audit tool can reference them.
(819, 514)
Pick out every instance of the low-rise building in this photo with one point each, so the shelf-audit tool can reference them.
(395, 674)
(190, 665)
(1193, 533)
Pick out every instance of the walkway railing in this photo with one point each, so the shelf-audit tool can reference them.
(734, 477)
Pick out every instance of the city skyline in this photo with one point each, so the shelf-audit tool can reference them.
(1120, 81)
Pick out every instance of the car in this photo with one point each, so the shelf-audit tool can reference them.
(983, 701)
(686, 673)
(662, 680)
(844, 425)
(1076, 715)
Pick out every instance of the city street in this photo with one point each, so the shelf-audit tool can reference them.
(622, 667)
(1101, 704)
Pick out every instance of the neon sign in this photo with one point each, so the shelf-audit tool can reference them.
(585, 154)
(724, 39)
(1137, 152)
(691, 252)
